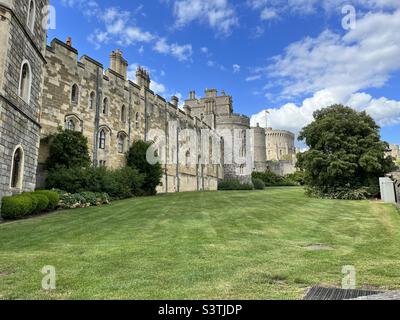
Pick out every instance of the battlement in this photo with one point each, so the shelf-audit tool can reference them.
(233, 119)
(279, 133)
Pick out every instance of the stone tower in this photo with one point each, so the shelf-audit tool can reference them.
(22, 57)
(258, 143)
(217, 112)
(118, 64)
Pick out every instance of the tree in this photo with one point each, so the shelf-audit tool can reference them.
(68, 149)
(346, 151)
(152, 173)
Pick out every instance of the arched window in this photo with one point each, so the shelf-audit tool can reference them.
(24, 90)
(121, 142)
(71, 124)
(105, 106)
(17, 168)
(102, 139)
(137, 120)
(241, 169)
(92, 100)
(30, 21)
(123, 114)
(74, 94)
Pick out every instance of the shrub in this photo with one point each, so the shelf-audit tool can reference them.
(119, 184)
(348, 193)
(42, 202)
(89, 198)
(16, 207)
(271, 179)
(152, 173)
(102, 198)
(233, 184)
(53, 197)
(122, 183)
(297, 178)
(82, 200)
(258, 184)
(67, 149)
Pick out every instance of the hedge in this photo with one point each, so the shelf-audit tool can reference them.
(54, 198)
(233, 184)
(258, 184)
(29, 203)
(16, 207)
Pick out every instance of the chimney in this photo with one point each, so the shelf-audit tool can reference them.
(192, 95)
(187, 110)
(142, 78)
(69, 42)
(118, 64)
(175, 101)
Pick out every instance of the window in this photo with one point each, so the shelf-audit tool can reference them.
(92, 100)
(17, 168)
(71, 124)
(102, 163)
(137, 120)
(121, 142)
(30, 21)
(123, 113)
(75, 94)
(241, 169)
(105, 106)
(24, 90)
(102, 139)
(187, 162)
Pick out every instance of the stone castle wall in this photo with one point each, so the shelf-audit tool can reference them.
(131, 110)
(395, 151)
(19, 119)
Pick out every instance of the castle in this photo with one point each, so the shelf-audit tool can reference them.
(45, 87)
(395, 151)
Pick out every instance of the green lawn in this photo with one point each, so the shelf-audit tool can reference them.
(211, 245)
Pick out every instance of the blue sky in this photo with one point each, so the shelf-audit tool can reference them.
(288, 56)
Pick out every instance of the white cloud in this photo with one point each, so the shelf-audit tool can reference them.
(268, 14)
(236, 68)
(218, 14)
(158, 88)
(120, 28)
(294, 117)
(272, 9)
(181, 52)
(334, 68)
(253, 78)
(363, 58)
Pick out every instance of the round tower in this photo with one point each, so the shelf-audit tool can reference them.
(280, 145)
(258, 143)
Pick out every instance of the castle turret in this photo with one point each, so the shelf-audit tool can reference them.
(118, 64)
(143, 78)
(258, 143)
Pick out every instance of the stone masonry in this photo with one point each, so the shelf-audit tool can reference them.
(22, 43)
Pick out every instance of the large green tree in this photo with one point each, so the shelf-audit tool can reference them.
(67, 149)
(152, 173)
(345, 151)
